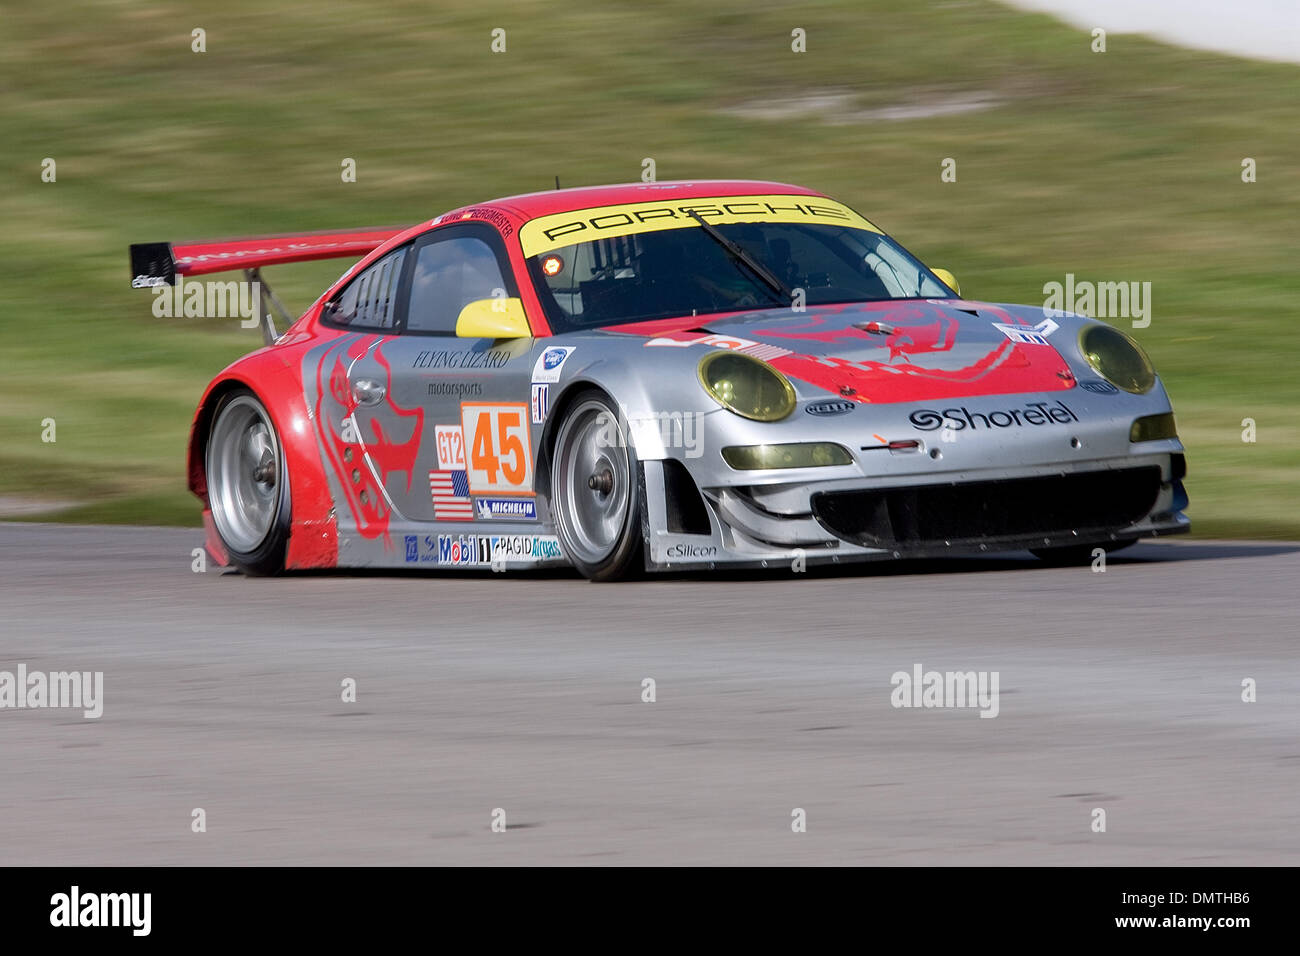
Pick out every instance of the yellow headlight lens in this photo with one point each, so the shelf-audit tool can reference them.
(1153, 428)
(796, 455)
(1117, 358)
(747, 386)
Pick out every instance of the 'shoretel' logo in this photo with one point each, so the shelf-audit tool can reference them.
(959, 419)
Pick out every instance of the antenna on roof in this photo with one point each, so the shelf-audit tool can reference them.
(557, 182)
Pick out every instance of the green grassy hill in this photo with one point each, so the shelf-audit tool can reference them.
(1121, 166)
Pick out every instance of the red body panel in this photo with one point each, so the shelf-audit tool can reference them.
(273, 373)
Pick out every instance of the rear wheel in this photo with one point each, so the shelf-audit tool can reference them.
(595, 496)
(248, 489)
(1076, 554)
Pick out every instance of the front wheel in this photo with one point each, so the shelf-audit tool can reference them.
(595, 495)
(248, 487)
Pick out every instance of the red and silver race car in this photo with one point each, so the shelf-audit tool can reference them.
(655, 376)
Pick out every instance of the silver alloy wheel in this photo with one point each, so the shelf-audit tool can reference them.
(591, 481)
(244, 474)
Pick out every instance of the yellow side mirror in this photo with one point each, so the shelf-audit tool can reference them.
(948, 279)
(493, 319)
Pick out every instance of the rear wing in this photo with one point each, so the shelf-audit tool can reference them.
(163, 263)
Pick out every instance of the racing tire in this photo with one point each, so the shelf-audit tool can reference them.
(1077, 554)
(595, 491)
(248, 485)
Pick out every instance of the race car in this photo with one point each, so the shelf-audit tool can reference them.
(662, 376)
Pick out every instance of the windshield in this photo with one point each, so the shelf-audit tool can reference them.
(692, 270)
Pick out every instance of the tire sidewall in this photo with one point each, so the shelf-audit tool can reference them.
(269, 556)
(627, 556)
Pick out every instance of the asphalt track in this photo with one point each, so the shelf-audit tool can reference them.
(1119, 690)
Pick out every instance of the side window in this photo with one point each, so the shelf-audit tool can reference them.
(449, 274)
(370, 300)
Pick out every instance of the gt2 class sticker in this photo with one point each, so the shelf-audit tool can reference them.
(1028, 334)
(450, 440)
(550, 362)
(541, 403)
(499, 448)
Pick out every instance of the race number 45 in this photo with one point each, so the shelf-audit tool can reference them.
(500, 454)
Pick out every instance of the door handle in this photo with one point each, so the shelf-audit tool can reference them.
(367, 392)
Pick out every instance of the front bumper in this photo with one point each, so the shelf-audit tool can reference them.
(915, 514)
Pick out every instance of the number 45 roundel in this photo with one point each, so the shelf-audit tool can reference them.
(500, 458)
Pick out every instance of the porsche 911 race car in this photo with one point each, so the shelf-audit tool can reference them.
(663, 376)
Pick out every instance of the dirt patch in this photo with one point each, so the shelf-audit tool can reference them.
(840, 107)
(15, 506)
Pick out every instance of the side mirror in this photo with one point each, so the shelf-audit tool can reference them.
(493, 319)
(948, 279)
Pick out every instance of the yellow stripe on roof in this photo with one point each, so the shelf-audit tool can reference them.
(582, 225)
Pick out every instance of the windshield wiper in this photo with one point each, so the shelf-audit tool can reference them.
(737, 252)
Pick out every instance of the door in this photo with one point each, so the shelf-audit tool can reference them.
(466, 399)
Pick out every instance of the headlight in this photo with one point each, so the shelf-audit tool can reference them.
(798, 455)
(1117, 358)
(747, 386)
(1153, 428)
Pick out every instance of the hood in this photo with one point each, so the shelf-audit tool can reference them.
(902, 351)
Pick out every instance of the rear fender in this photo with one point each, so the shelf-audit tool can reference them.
(313, 537)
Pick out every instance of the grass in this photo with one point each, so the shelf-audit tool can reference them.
(1122, 166)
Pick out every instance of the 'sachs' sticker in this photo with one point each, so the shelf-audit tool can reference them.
(500, 451)
(1028, 334)
(451, 446)
(421, 549)
(505, 509)
(550, 362)
(541, 403)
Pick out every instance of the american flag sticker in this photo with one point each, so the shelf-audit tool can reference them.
(451, 501)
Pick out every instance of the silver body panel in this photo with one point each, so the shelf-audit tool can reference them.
(755, 518)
